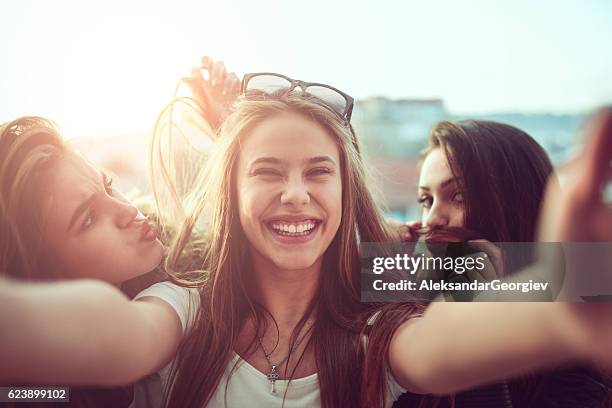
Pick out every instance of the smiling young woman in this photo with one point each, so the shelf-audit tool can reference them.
(284, 199)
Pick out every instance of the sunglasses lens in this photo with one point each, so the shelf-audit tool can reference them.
(269, 84)
(329, 97)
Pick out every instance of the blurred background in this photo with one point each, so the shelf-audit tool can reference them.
(104, 70)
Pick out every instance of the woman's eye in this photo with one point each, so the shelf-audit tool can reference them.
(320, 171)
(458, 197)
(267, 172)
(425, 201)
(90, 218)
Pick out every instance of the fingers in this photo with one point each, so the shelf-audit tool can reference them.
(207, 63)
(196, 76)
(232, 84)
(406, 235)
(415, 225)
(216, 71)
(217, 76)
(407, 232)
(598, 152)
(199, 86)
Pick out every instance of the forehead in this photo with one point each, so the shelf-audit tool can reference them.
(72, 175)
(288, 136)
(435, 169)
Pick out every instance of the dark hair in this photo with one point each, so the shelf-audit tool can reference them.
(502, 172)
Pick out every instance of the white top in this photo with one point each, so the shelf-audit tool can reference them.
(247, 386)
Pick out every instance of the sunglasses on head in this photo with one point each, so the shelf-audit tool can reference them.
(268, 83)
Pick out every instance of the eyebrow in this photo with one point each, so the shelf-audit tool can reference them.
(444, 184)
(319, 159)
(268, 160)
(274, 160)
(84, 206)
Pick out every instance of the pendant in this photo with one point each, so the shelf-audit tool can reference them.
(273, 376)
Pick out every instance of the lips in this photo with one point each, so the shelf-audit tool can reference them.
(293, 229)
(302, 227)
(148, 232)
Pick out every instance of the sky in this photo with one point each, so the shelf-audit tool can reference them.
(107, 68)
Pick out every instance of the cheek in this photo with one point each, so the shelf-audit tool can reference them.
(252, 201)
(94, 250)
(330, 197)
(458, 217)
(423, 215)
(94, 254)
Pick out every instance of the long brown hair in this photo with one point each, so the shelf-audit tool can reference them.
(28, 146)
(225, 304)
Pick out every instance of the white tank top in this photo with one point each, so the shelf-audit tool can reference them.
(247, 386)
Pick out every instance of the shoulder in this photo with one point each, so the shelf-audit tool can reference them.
(184, 301)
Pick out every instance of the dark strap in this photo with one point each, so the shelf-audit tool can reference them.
(490, 396)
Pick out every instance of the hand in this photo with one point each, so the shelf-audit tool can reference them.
(578, 213)
(407, 232)
(216, 93)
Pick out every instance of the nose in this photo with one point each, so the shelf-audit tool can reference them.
(295, 193)
(123, 212)
(437, 216)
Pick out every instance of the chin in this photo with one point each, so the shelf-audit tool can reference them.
(152, 259)
(159, 253)
(293, 263)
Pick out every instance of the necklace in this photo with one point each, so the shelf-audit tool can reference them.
(273, 375)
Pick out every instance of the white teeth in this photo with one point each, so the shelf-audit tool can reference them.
(294, 228)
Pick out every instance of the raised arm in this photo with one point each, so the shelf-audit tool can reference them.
(214, 93)
(82, 333)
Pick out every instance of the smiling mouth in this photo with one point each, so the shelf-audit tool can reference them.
(294, 229)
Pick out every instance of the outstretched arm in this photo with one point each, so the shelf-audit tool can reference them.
(81, 333)
(456, 346)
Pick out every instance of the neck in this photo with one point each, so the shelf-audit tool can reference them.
(285, 293)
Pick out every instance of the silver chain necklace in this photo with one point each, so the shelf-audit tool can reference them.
(273, 375)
